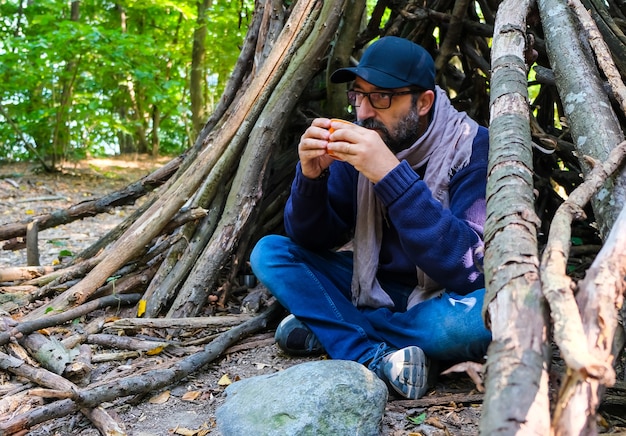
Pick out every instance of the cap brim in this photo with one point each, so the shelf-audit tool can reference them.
(370, 75)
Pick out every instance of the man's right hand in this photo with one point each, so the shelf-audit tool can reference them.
(312, 148)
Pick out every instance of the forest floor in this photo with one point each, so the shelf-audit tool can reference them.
(453, 407)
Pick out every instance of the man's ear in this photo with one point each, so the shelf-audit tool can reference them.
(425, 102)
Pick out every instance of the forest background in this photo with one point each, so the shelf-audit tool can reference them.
(81, 79)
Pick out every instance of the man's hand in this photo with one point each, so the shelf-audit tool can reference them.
(312, 148)
(363, 148)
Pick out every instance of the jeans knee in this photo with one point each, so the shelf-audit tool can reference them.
(266, 252)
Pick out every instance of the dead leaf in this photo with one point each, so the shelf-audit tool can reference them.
(191, 395)
(161, 398)
(156, 350)
(224, 381)
(435, 422)
(185, 431)
(202, 431)
(141, 307)
(473, 370)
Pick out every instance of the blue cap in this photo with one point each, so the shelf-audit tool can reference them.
(392, 62)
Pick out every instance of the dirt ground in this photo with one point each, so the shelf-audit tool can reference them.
(186, 408)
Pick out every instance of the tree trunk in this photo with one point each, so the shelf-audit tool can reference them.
(516, 398)
(197, 76)
(582, 94)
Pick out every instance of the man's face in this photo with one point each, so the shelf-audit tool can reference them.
(398, 125)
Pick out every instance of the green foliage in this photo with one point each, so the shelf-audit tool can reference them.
(90, 86)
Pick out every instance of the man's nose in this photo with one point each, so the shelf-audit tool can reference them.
(365, 110)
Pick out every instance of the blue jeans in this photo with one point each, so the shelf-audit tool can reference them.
(315, 287)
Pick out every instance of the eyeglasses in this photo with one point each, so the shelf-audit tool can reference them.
(378, 100)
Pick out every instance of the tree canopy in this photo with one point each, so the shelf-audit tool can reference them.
(102, 77)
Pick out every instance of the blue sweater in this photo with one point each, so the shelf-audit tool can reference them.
(447, 244)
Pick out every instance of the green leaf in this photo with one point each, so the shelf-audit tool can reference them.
(419, 419)
(49, 309)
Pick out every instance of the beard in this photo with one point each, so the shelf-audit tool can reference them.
(405, 133)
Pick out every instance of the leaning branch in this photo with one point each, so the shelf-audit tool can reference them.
(558, 287)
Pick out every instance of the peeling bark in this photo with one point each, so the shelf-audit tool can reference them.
(516, 398)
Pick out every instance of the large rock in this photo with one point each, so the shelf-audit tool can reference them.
(327, 397)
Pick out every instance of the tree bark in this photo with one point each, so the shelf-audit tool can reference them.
(582, 93)
(516, 398)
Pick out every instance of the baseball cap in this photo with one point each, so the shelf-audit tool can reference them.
(392, 62)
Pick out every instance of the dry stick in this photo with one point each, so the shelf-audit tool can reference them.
(125, 342)
(104, 422)
(32, 243)
(201, 322)
(453, 35)
(151, 380)
(558, 288)
(56, 277)
(41, 376)
(24, 273)
(27, 327)
(603, 54)
(599, 297)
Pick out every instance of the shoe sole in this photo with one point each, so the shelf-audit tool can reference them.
(408, 376)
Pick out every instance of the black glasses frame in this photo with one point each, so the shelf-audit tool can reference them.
(353, 97)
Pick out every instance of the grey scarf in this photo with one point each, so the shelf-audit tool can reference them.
(447, 147)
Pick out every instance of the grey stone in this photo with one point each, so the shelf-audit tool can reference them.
(327, 397)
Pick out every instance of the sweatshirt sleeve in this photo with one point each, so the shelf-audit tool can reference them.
(316, 219)
(447, 244)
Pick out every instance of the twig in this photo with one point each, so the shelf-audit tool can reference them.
(125, 342)
(439, 400)
(44, 198)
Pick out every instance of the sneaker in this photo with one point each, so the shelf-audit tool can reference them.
(404, 370)
(295, 338)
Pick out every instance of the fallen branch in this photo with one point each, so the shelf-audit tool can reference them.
(27, 327)
(148, 381)
(182, 323)
(24, 273)
(125, 342)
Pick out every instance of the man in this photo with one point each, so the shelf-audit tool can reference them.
(408, 181)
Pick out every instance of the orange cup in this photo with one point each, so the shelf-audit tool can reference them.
(331, 130)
